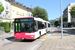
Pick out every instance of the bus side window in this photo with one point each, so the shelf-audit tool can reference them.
(43, 26)
(48, 25)
(35, 28)
(39, 25)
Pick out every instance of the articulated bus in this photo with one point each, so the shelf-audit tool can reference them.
(30, 27)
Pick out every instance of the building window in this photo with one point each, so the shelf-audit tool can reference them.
(6, 6)
(29, 15)
(9, 15)
(17, 13)
(23, 14)
(18, 3)
(13, 1)
(4, 15)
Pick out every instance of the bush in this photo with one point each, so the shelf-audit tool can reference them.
(69, 24)
(0, 24)
(6, 26)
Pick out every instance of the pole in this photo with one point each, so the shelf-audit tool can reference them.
(61, 22)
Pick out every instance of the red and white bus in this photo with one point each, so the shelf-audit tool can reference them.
(30, 27)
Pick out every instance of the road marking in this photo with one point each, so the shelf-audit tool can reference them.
(41, 36)
(53, 27)
(45, 37)
(74, 36)
(36, 39)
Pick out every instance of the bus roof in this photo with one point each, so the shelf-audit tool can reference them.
(23, 17)
(35, 18)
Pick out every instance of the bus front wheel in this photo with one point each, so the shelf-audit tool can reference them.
(39, 33)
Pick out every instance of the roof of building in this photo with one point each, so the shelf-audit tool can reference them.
(19, 5)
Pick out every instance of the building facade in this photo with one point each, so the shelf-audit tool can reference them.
(13, 10)
(17, 10)
(66, 13)
(29, 14)
(5, 15)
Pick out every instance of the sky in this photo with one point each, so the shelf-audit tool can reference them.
(51, 6)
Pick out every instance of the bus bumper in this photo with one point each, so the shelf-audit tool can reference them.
(24, 36)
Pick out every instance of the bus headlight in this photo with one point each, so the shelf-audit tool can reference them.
(32, 36)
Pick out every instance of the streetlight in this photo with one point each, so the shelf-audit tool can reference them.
(61, 21)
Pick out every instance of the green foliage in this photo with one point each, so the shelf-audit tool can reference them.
(69, 24)
(72, 11)
(6, 26)
(56, 23)
(64, 19)
(40, 12)
(59, 20)
(0, 24)
(72, 23)
(1, 8)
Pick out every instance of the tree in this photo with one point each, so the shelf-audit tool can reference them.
(59, 20)
(64, 19)
(72, 12)
(56, 23)
(1, 8)
(40, 12)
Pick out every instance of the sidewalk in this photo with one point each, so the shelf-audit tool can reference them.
(3, 36)
(4, 33)
(56, 43)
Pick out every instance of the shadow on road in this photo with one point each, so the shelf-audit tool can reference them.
(66, 32)
(60, 32)
(70, 31)
(18, 40)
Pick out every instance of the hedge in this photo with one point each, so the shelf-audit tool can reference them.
(6, 26)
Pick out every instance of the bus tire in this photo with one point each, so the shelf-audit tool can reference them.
(40, 33)
(46, 31)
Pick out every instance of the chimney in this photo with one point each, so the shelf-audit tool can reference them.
(31, 6)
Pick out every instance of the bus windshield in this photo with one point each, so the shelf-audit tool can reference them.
(24, 25)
